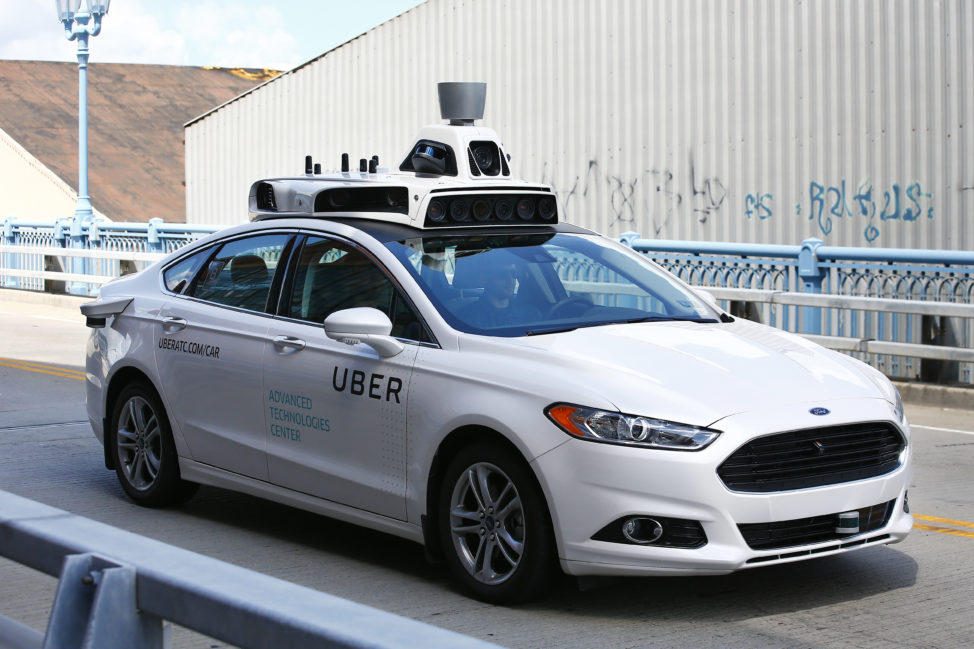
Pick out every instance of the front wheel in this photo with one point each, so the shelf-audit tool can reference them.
(494, 526)
(143, 449)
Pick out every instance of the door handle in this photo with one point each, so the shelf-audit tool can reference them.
(288, 345)
(171, 324)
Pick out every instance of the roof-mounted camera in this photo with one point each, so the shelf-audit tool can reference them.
(459, 148)
(457, 176)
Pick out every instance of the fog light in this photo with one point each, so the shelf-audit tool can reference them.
(657, 531)
(642, 530)
(906, 502)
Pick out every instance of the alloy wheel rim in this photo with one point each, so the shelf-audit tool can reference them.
(139, 443)
(487, 523)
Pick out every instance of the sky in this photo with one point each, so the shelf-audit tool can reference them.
(276, 34)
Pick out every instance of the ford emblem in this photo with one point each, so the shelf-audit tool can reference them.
(820, 412)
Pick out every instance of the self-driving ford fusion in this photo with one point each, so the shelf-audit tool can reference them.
(433, 353)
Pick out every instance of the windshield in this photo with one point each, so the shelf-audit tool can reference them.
(532, 284)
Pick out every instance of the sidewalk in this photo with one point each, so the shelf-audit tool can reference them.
(42, 328)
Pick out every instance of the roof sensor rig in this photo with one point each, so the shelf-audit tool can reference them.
(454, 175)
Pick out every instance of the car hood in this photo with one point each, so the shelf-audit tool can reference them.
(699, 373)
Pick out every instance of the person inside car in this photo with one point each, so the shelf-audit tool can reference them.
(499, 305)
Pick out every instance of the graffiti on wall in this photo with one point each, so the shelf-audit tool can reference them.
(662, 194)
(758, 206)
(659, 193)
(710, 195)
(828, 204)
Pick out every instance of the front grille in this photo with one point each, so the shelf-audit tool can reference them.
(813, 458)
(816, 529)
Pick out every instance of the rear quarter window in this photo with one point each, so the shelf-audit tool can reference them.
(180, 274)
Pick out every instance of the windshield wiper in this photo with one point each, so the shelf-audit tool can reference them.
(652, 318)
(553, 330)
(666, 318)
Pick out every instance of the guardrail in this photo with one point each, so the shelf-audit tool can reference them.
(923, 337)
(116, 589)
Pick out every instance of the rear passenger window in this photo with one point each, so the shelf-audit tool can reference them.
(240, 272)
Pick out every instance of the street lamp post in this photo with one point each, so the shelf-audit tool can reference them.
(79, 25)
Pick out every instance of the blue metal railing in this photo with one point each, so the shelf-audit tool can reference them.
(144, 242)
(811, 267)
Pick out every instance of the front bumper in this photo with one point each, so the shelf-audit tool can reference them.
(589, 485)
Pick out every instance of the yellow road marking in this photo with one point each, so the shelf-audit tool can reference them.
(43, 366)
(943, 530)
(43, 369)
(937, 519)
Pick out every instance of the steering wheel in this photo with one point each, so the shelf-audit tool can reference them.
(571, 305)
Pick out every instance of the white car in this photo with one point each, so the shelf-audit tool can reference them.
(433, 354)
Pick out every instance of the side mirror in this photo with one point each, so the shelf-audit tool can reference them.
(363, 325)
(98, 311)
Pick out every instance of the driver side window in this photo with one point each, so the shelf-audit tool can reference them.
(334, 275)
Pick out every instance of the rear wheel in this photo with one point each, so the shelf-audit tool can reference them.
(143, 449)
(494, 526)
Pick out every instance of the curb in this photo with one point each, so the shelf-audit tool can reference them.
(939, 396)
(46, 299)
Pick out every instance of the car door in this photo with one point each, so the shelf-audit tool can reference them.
(336, 413)
(208, 353)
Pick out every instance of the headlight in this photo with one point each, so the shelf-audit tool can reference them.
(898, 407)
(617, 428)
(886, 388)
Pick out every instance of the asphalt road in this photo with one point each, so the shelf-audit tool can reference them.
(919, 593)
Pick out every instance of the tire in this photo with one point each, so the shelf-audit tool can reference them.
(494, 526)
(143, 451)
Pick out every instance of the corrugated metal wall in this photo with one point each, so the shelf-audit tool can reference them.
(725, 120)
